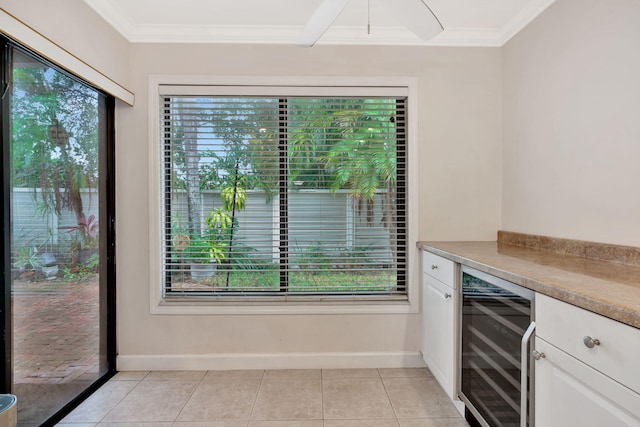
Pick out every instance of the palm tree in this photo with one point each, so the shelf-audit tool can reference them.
(351, 144)
(365, 160)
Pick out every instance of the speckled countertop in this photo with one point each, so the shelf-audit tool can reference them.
(608, 288)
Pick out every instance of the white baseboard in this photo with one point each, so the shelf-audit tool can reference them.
(268, 361)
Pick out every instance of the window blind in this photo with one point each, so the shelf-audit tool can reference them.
(284, 196)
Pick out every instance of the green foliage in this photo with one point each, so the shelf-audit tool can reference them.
(313, 258)
(364, 159)
(211, 246)
(81, 272)
(340, 281)
(26, 258)
(306, 281)
(332, 143)
(219, 223)
(343, 144)
(54, 137)
(87, 229)
(233, 197)
(318, 257)
(247, 258)
(337, 143)
(92, 263)
(28, 247)
(203, 250)
(77, 274)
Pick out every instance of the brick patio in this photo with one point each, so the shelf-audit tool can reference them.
(56, 344)
(55, 331)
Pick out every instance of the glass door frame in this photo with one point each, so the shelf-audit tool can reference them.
(107, 249)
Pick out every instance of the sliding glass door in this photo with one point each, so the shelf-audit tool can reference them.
(57, 137)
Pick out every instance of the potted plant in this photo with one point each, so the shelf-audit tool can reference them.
(203, 253)
(197, 255)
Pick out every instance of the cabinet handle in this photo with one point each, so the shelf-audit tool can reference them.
(447, 296)
(537, 355)
(590, 342)
(434, 267)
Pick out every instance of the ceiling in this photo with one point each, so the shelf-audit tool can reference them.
(465, 22)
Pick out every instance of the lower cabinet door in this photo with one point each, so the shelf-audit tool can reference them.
(570, 393)
(439, 332)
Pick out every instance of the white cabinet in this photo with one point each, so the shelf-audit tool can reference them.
(439, 320)
(571, 393)
(587, 372)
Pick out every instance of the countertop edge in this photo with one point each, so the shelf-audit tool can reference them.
(583, 300)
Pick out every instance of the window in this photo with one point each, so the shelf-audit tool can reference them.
(275, 193)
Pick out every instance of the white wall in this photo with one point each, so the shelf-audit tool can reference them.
(459, 151)
(78, 29)
(571, 111)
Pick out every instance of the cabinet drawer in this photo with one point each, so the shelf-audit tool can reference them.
(439, 268)
(567, 326)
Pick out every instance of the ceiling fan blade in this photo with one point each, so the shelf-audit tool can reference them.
(416, 16)
(322, 18)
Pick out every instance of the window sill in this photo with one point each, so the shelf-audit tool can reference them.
(179, 306)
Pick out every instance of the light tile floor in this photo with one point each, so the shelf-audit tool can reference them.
(273, 398)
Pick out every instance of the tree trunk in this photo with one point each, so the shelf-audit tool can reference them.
(392, 226)
(192, 163)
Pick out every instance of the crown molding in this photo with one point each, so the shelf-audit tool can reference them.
(113, 16)
(242, 34)
(272, 34)
(524, 18)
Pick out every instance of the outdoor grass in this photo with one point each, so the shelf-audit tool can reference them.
(299, 281)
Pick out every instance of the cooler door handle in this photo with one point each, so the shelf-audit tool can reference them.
(524, 371)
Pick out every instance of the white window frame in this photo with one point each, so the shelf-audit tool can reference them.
(343, 86)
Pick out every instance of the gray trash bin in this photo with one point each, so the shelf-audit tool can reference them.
(8, 410)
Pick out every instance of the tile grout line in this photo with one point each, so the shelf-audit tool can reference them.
(119, 400)
(255, 399)
(186, 402)
(393, 408)
(322, 395)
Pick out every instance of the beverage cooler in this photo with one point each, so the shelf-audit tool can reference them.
(496, 328)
